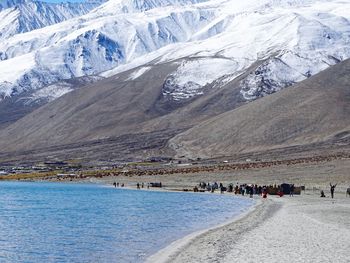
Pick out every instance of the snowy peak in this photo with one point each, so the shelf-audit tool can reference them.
(92, 44)
(10, 3)
(134, 6)
(20, 16)
(291, 40)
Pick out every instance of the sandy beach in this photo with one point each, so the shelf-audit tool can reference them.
(305, 228)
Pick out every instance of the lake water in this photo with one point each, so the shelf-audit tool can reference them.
(49, 222)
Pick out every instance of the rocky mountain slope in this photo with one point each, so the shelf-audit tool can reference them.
(124, 117)
(311, 113)
(131, 79)
(15, 107)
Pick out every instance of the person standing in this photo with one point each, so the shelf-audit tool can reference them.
(264, 192)
(332, 189)
(291, 190)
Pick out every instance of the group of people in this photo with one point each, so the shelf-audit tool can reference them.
(248, 189)
(115, 184)
(243, 189)
(142, 185)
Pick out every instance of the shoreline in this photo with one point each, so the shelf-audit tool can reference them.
(174, 248)
(304, 227)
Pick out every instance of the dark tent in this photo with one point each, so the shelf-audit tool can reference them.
(285, 188)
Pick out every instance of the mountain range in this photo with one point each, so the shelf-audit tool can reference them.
(21, 16)
(185, 78)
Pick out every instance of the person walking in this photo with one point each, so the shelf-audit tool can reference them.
(332, 189)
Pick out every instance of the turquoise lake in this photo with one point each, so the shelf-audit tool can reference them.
(51, 222)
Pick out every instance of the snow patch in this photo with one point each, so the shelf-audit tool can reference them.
(192, 76)
(268, 78)
(51, 92)
(11, 69)
(138, 73)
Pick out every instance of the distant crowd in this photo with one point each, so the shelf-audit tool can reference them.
(140, 185)
(247, 189)
(243, 189)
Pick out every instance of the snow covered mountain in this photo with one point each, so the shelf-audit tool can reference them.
(20, 16)
(292, 40)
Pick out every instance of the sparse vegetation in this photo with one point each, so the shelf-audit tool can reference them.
(29, 176)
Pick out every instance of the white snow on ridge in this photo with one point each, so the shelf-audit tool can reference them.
(204, 71)
(91, 47)
(221, 37)
(193, 75)
(138, 73)
(302, 42)
(268, 78)
(11, 70)
(19, 16)
(138, 6)
(56, 90)
(51, 92)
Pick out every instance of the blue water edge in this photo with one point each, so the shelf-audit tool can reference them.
(51, 222)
